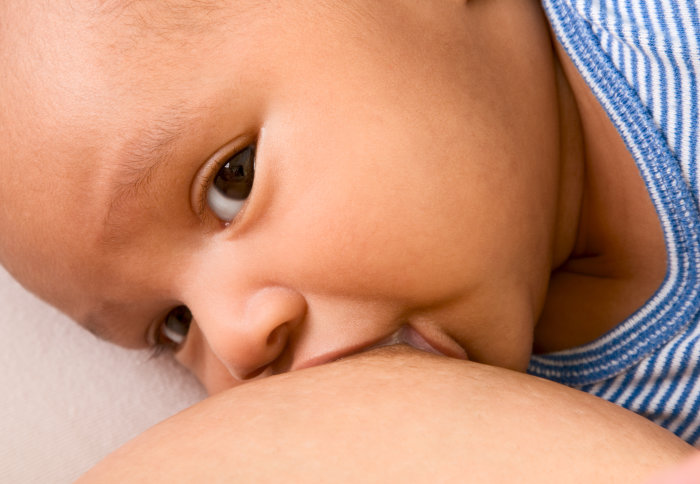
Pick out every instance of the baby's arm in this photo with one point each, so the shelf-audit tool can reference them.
(396, 415)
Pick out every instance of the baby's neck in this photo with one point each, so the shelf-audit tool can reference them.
(618, 256)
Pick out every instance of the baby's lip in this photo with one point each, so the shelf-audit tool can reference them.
(406, 334)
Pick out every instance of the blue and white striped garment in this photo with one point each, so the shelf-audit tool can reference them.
(641, 58)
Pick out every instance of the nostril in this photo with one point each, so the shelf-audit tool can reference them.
(277, 336)
(275, 344)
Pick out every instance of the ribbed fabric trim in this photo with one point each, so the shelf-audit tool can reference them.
(676, 301)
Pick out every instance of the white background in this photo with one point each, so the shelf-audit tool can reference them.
(68, 399)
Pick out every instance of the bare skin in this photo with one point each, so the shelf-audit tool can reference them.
(435, 168)
(417, 171)
(397, 415)
(419, 168)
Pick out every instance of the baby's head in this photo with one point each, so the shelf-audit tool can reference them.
(304, 178)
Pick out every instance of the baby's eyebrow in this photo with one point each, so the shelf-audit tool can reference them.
(140, 157)
(150, 147)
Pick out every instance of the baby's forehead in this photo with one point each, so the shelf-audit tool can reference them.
(73, 88)
(128, 27)
(92, 74)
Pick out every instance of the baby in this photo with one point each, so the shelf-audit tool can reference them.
(262, 187)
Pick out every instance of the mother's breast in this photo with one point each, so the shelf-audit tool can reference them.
(397, 415)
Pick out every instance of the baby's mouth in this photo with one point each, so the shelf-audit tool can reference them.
(405, 335)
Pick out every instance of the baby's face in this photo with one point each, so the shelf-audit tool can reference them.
(306, 179)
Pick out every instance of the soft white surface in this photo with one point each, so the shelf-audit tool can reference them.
(68, 399)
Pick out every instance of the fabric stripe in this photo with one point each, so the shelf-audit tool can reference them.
(641, 58)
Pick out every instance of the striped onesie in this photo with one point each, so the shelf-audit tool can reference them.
(641, 58)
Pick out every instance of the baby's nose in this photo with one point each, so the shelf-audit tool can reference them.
(246, 345)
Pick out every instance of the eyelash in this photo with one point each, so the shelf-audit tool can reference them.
(157, 337)
(203, 185)
(205, 182)
(157, 351)
(158, 348)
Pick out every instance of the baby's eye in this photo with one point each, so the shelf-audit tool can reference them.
(173, 330)
(232, 184)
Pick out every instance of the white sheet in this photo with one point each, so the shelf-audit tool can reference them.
(69, 399)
